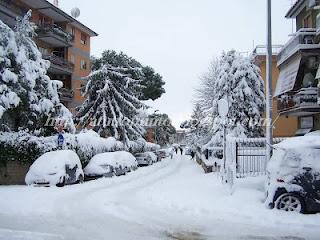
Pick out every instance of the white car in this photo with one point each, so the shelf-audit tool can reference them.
(110, 164)
(56, 168)
(146, 158)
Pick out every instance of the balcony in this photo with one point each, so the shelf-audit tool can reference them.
(65, 95)
(9, 11)
(59, 65)
(304, 102)
(54, 35)
(304, 39)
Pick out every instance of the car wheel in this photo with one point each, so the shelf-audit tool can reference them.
(80, 179)
(290, 202)
(62, 182)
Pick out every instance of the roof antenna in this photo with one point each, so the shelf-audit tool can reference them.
(56, 3)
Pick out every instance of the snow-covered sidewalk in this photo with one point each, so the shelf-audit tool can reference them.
(172, 199)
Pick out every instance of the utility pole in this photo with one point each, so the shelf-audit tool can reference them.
(269, 84)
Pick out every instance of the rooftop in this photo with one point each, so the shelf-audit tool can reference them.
(299, 5)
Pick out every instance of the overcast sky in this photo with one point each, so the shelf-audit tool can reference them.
(178, 38)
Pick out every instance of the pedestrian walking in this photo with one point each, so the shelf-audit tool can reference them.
(193, 154)
(176, 149)
(181, 150)
(171, 153)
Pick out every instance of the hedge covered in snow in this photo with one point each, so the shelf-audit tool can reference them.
(24, 147)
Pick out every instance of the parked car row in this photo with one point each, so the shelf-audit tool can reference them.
(63, 167)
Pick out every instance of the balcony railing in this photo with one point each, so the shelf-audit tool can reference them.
(305, 98)
(305, 38)
(66, 94)
(47, 28)
(59, 61)
(262, 50)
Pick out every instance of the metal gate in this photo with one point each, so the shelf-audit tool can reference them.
(247, 156)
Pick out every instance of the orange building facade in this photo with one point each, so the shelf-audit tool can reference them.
(282, 125)
(61, 39)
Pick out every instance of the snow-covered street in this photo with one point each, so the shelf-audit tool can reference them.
(172, 199)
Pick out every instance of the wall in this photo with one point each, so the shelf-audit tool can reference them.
(13, 173)
(283, 126)
(79, 52)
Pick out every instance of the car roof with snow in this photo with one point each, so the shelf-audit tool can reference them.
(55, 161)
(310, 141)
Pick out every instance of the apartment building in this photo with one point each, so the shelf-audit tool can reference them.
(62, 39)
(297, 89)
(282, 126)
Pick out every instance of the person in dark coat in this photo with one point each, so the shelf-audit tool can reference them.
(193, 154)
(176, 149)
(181, 150)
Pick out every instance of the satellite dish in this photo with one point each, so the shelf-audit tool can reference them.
(75, 12)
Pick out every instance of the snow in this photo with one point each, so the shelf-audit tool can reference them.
(172, 199)
(121, 159)
(152, 156)
(51, 167)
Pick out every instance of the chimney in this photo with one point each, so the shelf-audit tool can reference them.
(56, 3)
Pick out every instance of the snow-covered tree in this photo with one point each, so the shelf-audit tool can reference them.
(28, 96)
(152, 83)
(111, 103)
(236, 79)
(163, 128)
(197, 128)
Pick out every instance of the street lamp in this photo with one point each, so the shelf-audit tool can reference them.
(269, 129)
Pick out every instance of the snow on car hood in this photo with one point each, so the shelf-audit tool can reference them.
(51, 166)
(115, 159)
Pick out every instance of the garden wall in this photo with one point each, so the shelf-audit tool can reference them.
(13, 172)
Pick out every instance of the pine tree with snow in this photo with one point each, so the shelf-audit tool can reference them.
(240, 83)
(28, 96)
(236, 79)
(111, 103)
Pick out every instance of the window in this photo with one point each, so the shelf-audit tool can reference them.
(307, 22)
(83, 65)
(73, 31)
(72, 59)
(83, 39)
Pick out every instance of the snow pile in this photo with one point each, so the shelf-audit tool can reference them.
(51, 167)
(100, 164)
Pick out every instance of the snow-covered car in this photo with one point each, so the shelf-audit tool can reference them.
(57, 168)
(294, 175)
(146, 158)
(162, 153)
(110, 164)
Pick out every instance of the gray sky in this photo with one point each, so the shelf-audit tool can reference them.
(179, 37)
